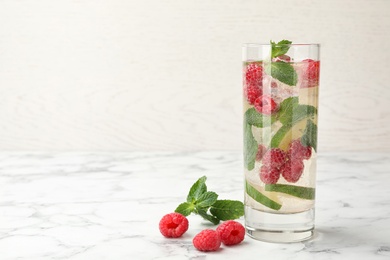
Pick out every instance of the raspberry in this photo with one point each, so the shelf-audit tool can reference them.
(284, 58)
(231, 232)
(207, 240)
(274, 158)
(265, 105)
(269, 175)
(252, 92)
(261, 150)
(292, 170)
(254, 74)
(173, 225)
(297, 151)
(312, 73)
(274, 84)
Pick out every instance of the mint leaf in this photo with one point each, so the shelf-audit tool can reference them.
(261, 198)
(289, 114)
(199, 201)
(252, 117)
(206, 199)
(250, 147)
(208, 217)
(280, 48)
(282, 71)
(309, 137)
(185, 208)
(290, 111)
(285, 112)
(197, 189)
(227, 209)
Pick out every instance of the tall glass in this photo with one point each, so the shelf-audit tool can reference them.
(280, 86)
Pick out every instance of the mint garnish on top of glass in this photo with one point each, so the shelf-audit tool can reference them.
(280, 70)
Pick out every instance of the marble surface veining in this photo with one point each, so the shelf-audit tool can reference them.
(107, 206)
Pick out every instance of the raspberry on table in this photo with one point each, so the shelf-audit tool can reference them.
(173, 225)
(254, 74)
(265, 105)
(274, 158)
(252, 92)
(207, 240)
(261, 150)
(231, 232)
(297, 151)
(292, 170)
(269, 175)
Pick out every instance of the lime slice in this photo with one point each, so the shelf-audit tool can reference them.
(296, 191)
(287, 133)
(261, 198)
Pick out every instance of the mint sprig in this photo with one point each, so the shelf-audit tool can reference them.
(280, 70)
(206, 204)
(280, 48)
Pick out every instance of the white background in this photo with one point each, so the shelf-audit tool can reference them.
(121, 75)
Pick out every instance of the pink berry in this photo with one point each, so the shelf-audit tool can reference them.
(274, 84)
(173, 225)
(207, 240)
(274, 158)
(312, 73)
(269, 175)
(284, 58)
(265, 105)
(261, 150)
(252, 92)
(292, 170)
(254, 74)
(297, 151)
(231, 232)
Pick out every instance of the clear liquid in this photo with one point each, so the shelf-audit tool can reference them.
(263, 135)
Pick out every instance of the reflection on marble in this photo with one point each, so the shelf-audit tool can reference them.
(107, 206)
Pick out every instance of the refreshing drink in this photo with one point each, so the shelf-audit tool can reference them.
(280, 89)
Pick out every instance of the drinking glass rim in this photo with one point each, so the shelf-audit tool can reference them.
(269, 44)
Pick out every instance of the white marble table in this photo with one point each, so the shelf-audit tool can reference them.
(107, 206)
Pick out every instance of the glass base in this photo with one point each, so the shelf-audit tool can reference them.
(279, 228)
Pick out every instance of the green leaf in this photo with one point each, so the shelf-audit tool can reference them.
(285, 112)
(227, 209)
(250, 147)
(252, 117)
(291, 112)
(309, 137)
(185, 208)
(203, 213)
(197, 189)
(261, 198)
(282, 71)
(280, 48)
(296, 191)
(206, 199)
